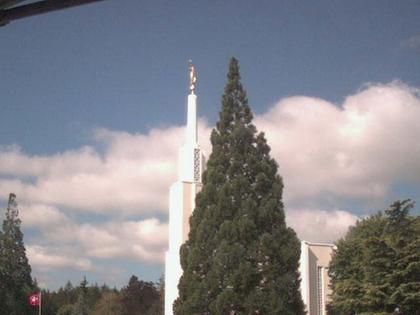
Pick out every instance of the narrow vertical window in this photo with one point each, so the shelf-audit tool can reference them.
(320, 291)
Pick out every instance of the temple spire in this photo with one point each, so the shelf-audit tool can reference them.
(193, 77)
(182, 196)
(192, 108)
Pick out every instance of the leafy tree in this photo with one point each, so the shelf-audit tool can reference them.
(109, 304)
(346, 269)
(376, 267)
(240, 258)
(15, 272)
(158, 306)
(66, 309)
(138, 297)
(403, 236)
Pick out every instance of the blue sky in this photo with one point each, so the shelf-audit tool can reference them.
(86, 90)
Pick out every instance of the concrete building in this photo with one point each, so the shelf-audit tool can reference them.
(314, 261)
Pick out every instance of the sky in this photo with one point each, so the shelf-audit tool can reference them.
(93, 108)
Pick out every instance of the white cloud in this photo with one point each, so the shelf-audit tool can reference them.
(319, 225)
(13, 161)
(63, 244)
(356, 151)
(41, 216)
(44, 259)
(133, 174)
(137, 240)
(144, 240)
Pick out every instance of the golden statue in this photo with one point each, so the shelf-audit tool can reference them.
(193, 78)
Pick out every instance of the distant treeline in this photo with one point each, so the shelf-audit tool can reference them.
(137, 298)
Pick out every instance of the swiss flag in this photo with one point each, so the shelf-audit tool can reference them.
(34, 299)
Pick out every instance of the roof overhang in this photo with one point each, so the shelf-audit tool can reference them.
(16, 9)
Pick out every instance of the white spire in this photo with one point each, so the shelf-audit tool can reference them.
(189, 162)
(192, 119)
(192, 108)
(182, 198)
(193, 77)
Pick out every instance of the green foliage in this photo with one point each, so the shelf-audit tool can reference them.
(138, 297)
(157, 307)
(240, 258)
(15, 272)
(109, 304)
(66, 309)
(49, 305)
(376, 268)
(81, 307)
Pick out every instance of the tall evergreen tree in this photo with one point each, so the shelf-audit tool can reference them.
(81, 307)
(15, 272)
(240, 258)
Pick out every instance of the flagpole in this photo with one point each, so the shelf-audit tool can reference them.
(40, 302)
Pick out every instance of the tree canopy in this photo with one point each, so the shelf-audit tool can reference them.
(376, 267)
(15, 272)
(240, 257)
(137, 298)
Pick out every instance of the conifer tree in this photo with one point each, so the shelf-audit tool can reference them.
(81, 307)
(15, 272)
(240, 257)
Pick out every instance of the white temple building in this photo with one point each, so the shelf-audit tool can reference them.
(182, 198)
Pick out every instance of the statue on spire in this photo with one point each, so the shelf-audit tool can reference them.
(193, 78)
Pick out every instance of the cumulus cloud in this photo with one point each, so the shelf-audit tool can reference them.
(144, 240)
(138, 240)
(358, 150)
(355, 150)
(319, 225)
(42, 216)
(62, 244)
(132, 175)
(44, 259)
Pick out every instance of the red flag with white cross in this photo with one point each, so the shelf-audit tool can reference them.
(34, 299)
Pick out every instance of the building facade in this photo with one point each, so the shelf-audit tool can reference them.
(314, 261)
